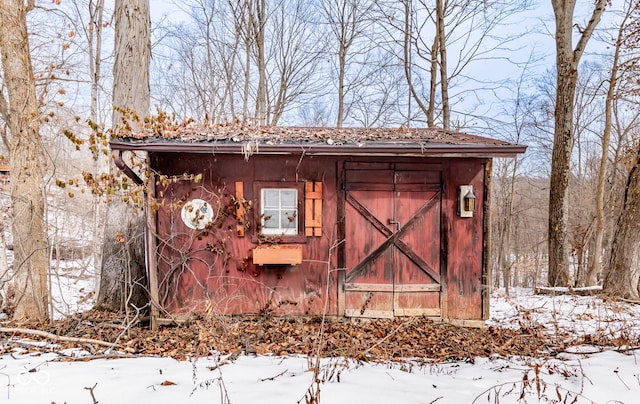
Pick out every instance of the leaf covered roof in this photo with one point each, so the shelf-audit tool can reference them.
(322, 140)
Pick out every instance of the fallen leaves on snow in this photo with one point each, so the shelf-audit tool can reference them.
(366, 340)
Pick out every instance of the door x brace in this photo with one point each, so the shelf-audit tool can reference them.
(393, 238)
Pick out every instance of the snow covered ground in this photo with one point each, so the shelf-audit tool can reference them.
(606, 377)
(585, 375)
(565, 314)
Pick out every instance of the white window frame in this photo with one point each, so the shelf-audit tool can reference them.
(293, 228)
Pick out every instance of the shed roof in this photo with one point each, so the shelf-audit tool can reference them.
(249, 139)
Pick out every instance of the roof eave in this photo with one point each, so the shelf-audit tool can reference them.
(370, 149)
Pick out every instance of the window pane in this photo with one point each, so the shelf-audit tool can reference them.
(270, 198)
(289, 220)
(271, 219)
(289, 197)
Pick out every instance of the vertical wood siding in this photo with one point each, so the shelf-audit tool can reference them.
(464, 248)
(435, 272)
(212, 270)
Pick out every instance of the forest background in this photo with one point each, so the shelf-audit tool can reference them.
(560, 77)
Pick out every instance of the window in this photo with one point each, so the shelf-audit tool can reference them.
(279, 211)
(287, 212)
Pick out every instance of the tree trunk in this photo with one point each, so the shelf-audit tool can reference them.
(27, 184)
(444, 76)
(132, 57)
(428, 111)
(123, 277)
(407, 35)
(259, 22)
(624, 266)
(567, 76)
(248, 23)
(94, 43)
(433, 83)
(507, 263)
(596, 263)
(567, 60)
(4, 267)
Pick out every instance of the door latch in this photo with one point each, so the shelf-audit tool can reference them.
(394, 221)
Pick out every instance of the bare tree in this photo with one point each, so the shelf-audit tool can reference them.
(377, 101)
(596, 263)
(27, 171)
(202, 71)
(244, 28)
(5, 275)
(90, 24)
(587, 118)
(622, 276)
(623, 271)
(440, 43)
(297, 45)
(123, 265)
(258, 22)
(350, 21)
(407, 56)
(209, 77)
(567, 60)
(518, 125)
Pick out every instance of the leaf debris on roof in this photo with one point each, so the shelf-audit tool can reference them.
(272, 135)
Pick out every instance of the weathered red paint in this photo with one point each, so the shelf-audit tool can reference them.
(392, 240)
(431, 264)
(464, 248)
(212, 269)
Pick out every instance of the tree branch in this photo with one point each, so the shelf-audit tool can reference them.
(588, 31)
(4, 108)
(54, 337)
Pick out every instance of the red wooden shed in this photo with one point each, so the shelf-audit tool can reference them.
(311, 221)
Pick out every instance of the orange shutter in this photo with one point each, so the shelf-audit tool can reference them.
(313, 209)
(240, 219)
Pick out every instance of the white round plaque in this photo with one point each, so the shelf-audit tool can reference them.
(197, 214)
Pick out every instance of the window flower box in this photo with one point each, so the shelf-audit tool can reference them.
(277, 255)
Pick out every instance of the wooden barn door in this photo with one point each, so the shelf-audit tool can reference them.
(392, 241)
